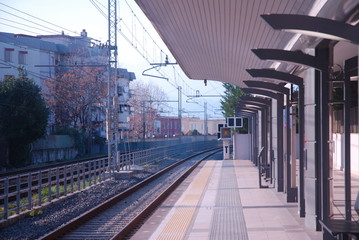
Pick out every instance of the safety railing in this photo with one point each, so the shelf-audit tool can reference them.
(27, 192)
(148, 156)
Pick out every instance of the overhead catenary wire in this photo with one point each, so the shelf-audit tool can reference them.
(38, 18)
(18, 28)
(8, 20)
(144, 53)
(51, 30)
(96, 5)
(185, 91)
(14, 15)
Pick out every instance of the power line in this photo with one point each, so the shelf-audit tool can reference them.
(141, 48)
(135, 43)
(18, 28)
(38, 18)
(95, 4)
(25, 25)
(26, 19)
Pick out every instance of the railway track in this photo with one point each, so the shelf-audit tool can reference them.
(118, 216)
(31, 192)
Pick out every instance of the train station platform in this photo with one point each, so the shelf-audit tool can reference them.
(223, 201)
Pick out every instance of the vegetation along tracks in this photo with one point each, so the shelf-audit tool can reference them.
(117, 216)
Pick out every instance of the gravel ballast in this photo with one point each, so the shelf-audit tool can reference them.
(63, 211)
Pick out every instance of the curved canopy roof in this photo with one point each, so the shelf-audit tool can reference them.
(212, 39)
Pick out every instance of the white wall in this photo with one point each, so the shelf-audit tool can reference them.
(338, 146)
(241, 146)
(33, 57)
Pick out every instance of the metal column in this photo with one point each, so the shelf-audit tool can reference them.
(324, 51)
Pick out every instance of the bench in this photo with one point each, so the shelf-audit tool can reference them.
(342, 228)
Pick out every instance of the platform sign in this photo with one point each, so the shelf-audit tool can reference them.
(239, 122)
(226, 133)
(235, 122)
(231, 122)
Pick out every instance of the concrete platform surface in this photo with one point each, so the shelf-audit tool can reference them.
(222, 200)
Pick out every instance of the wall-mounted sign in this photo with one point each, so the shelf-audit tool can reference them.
(235, 122)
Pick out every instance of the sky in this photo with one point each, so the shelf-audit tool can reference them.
(25, 16)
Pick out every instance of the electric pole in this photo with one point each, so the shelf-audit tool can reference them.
(205, 119)
(112, 103)
(180, 112)
(144, 120)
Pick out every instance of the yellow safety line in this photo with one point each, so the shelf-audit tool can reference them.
(176, 227)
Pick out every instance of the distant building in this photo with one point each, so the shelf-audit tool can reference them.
(37, 57)
(47, 56)
(166, 127)
(124, 79)
(99, 113)
(191, 124)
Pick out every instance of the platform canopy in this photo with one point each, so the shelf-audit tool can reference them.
(212, 39)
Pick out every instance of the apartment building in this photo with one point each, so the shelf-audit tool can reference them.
(48, 56)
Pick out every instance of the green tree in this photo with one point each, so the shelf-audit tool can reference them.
(23, 118)
(230, 99)
(229, 102)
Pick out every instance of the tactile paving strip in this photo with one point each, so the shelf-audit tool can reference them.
(179, 219)
(228, 218)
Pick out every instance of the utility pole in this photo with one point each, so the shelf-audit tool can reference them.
(205, 119)
(180, 112)
(112, 103)
(144, 120)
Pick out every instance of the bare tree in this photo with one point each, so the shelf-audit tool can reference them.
(72, 94)
(146, 103)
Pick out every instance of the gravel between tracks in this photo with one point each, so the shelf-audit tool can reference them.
(63, 211)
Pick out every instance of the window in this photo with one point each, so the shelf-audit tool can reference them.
(8, 54)
(22, 57)
(120, 90)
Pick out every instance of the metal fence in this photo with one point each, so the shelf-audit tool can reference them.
(27, 193)
(148, 156)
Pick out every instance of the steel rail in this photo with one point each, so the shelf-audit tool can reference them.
(155, 203)
(78, 221)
